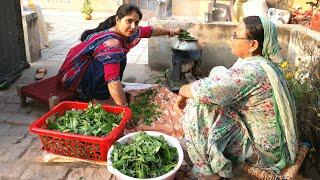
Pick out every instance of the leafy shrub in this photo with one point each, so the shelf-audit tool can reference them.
(304, 83)
(86, 8)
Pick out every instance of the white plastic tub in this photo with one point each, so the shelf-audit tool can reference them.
(172, 141)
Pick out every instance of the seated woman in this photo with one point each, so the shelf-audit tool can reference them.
(243, 114)
(94, 68)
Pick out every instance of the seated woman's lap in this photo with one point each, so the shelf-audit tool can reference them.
(214, 140)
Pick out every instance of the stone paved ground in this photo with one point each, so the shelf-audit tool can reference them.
(20, 151)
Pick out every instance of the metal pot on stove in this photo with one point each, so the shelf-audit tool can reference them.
(186, 56)
(190, 44)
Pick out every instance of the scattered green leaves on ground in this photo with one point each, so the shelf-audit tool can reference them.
(144, 156)
(94, 121)
(144, 109)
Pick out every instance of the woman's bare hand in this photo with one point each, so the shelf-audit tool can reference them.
(117, 93)
(177, 31)
(181, 102)
(173, 32)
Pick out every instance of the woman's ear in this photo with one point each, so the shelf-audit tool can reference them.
(117, 19)
(254, 45)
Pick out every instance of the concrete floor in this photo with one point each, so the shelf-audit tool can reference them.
(20, 151)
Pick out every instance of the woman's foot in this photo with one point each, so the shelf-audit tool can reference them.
(40, 73)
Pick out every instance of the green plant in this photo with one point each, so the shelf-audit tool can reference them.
(304, 83)
(86, 7)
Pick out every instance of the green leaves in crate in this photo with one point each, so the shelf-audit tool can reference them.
(94, 121)
(144, 156)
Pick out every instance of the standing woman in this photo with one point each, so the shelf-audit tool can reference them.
(244, 114)
(94, 68)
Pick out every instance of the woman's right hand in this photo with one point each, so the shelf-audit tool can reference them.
(174, 32)
(181, 102)
(117, 93)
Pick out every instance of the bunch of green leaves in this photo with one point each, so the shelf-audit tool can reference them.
(144, 156)
(144, 109)
(94, 121)
(185, 35)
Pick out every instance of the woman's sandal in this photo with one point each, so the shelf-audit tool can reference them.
(40, 73)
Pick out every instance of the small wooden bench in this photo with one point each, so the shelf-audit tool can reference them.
(45, 91)
(289, 173)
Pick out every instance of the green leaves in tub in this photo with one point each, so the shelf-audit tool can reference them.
(144, 156)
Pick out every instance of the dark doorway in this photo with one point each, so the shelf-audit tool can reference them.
(12, 50)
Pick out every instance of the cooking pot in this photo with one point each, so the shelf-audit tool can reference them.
(186, 44)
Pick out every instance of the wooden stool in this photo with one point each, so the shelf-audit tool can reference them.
(45, 91)
(289, 173)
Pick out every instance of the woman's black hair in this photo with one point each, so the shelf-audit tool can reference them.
(123, 10)
(255, 31)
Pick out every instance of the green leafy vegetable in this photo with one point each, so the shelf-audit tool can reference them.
(144, 156)
(143, 108)
(94, 121)
(185, 35)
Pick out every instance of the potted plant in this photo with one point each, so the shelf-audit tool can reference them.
(86, 9)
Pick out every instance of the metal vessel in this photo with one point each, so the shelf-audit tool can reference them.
(186, 44)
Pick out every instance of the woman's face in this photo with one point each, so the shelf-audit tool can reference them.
(128, 24)
(240, 45)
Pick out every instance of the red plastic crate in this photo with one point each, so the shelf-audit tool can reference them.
(77, 145)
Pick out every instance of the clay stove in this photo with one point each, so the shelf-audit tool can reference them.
(186, 58)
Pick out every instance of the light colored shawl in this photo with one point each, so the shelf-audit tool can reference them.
(271, 47)
(286, 106)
